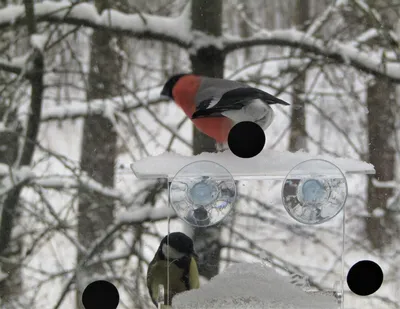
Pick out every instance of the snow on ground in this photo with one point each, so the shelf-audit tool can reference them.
(268, 164)
(251, 285)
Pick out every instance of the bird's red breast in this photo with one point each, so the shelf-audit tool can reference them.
(184, 93)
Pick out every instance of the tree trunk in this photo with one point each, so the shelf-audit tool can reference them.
(98, 154)
(10, 288)
(245, 30)
(208, 61)
(9, 248)
(298, 133)
(381, 129)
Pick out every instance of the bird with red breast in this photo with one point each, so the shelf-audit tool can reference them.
(215, 105)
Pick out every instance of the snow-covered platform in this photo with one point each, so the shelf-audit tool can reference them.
(269, 164)
(252, 286)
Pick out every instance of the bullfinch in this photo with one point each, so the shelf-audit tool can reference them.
(176, 249)
(215, 105)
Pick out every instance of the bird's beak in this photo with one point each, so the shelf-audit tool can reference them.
(165, 97)
(164, 94)
(195, 255)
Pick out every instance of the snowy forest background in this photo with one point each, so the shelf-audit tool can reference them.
(79, 102)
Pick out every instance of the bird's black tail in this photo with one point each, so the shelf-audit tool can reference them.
(270, 99)
(241, 95)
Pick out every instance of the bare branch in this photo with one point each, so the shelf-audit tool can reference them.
(139, 216)
(15, 177)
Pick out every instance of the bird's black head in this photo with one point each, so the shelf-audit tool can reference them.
(169, 85)
(179, 242)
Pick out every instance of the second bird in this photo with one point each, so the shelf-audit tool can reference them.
(179, 254)
(215, 105)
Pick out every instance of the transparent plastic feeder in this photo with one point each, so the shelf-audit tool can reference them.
(314, 191)
(202, 193)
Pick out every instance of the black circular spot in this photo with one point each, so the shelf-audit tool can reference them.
(365, 278)
(100, 294)
(246, 139)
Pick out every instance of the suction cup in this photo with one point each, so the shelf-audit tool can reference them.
(202, 193)
(314, 191)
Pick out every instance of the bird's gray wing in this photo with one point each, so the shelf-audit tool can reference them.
(232, 100)
(150, 284)
(211, 91)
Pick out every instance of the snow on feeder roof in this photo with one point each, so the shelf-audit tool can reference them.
(252, 286)
(269, 164)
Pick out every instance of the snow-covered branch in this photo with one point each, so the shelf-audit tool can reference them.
(12, 66)
(173, 30)
(377, 20)
(147, 213)
(72, 182)
(101, 106)
(366, 36)
(18, 65)
(385, 184)
(14, 177)
(393, 202)
(321, 20)
(335, 50)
